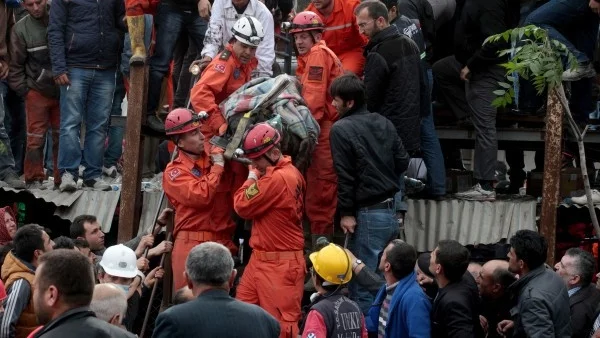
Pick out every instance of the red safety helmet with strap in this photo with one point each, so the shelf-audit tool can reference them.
(307, 21)
(180, 121)
(260, 139)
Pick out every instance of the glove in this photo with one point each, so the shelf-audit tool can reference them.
(216, 156)
(253, 173)
(222, 129)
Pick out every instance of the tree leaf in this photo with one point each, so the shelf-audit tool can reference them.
(504, 85)
(499, 92)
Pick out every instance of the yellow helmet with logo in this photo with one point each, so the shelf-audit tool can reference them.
(332, 263)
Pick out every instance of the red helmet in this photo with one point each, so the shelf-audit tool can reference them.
(260, 139)
(307, 21)
(180, 121)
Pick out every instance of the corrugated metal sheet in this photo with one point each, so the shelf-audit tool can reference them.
(149, 206)
(468, 222)
(61, 199)
(101, 204)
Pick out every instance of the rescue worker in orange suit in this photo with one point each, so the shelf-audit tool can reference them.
(194, 185)
(318, 66)
(272, 197)
(341, 31)
(227, 72)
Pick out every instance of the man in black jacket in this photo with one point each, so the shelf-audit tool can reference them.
(369, 159)
(63, 289)
(576, 268)
(467, 81)
(456, 307)
(394, 78)
(213, 313)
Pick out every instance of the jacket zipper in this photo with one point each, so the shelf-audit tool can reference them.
(71, 43)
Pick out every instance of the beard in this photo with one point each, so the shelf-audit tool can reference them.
(42, 313)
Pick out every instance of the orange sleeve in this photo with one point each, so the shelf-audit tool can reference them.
(188, 190)
(314, 84)
(204, 94)
(255, 198)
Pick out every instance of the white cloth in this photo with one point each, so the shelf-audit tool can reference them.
(224, 16)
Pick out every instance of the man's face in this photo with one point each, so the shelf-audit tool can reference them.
(434, 267)
(192, 141)
(486, 284)
(565, 270)
(87, 253)
(366, 25)
(383, 261)
(321, 4)
(245, 53)
(48, 243)
(304, 42)
(240, 3)
(42, 300)
(514, 263)
(261, 163)
(341, 106)
(35, 8)
(94, 236)
(106, 278)
(11, 225)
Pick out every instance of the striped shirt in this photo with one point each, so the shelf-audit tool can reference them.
(385, 307)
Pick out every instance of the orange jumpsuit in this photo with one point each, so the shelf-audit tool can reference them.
(342, 35)
(316, 70)
(223, 75)
(203, 205)
(274, 277)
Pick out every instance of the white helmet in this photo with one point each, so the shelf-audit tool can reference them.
(248, 30)
(119, 261)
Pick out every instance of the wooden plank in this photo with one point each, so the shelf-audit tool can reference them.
(131, 195)
(552, 165)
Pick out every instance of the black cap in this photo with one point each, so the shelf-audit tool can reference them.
(423, 263)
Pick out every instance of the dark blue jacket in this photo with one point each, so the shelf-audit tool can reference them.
(85, 34)
(408, 315)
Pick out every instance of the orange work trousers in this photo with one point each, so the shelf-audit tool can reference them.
(184, 243)
(321, 186)
(275, 282)
(354, 61)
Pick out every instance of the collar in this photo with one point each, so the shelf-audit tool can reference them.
(524, 280)
(388, 33)
(249, 9)
(303, 58)
(76, 312)
(389, 288)
(573, 291)
(356, 111)
(203, 162)
(284, 161)
(214, 293)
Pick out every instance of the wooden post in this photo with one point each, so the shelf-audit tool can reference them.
(552, 166)
(131, 195)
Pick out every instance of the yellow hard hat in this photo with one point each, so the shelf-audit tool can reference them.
(333, 264)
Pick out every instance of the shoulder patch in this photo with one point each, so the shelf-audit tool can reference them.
(315, 73)
(252, 191)
(220, 67)
(225, 55)
(174, 173)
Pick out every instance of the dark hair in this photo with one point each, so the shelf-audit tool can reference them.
(530, 247)
(4, 250)
(402, 258)
(503, 277)
(28, 239)
(349, 87)
(63, 242)
(71, 273)
(390, 3)
(584, 264)
(423, 263)
(77, 229)
(179, 297)
(81, 243)
(375, 8)
(454, 258)
(319, 280)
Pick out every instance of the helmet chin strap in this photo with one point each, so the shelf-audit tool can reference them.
(273, 163)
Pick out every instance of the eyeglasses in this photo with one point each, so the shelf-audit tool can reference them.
(362, 25)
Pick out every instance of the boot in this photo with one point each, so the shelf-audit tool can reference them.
(136, 28)
(320, 241)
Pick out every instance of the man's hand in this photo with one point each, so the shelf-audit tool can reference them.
(595, 6)
(62, 80)
(465, 73)
(253, 173)
(348, 224)
(216, 156)
(484, 324)
(3, 70)
(142, 264)
(202, 63)
(146, 242)
(505, 326)
(163, 218)
(153, 276)
(164, 246)
(204, 9)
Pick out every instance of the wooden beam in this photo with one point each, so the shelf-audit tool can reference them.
(552, 166)
(131, 194)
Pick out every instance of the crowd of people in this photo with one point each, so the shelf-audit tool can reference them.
(366, 71)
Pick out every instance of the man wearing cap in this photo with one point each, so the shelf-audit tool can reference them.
(193, 182)
(118, 266)
(272, 197)
(331, 313)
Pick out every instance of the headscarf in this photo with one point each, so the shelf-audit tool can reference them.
(4, 236)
